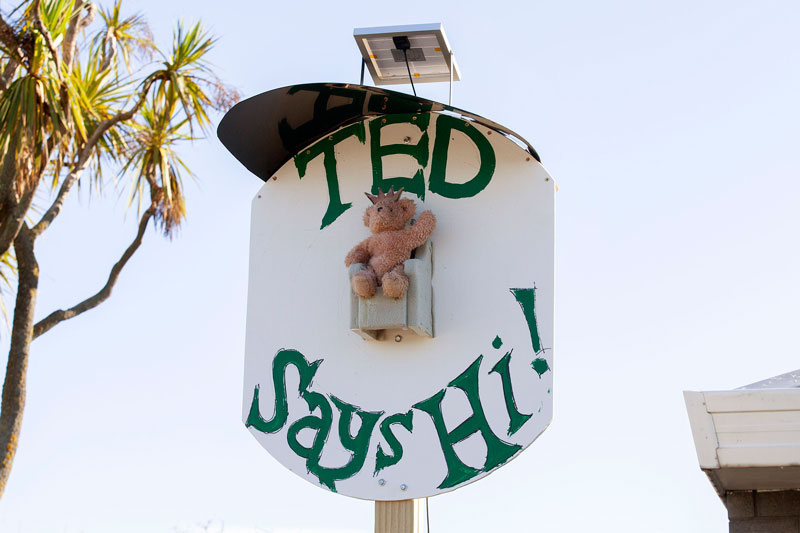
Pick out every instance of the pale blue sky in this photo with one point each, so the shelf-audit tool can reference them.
(671, 129)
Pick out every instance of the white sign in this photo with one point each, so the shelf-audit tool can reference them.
(406, 416)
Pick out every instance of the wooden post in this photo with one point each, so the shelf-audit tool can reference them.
(404, 516)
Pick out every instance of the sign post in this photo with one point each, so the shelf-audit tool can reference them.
(403, 516)
(393, 399)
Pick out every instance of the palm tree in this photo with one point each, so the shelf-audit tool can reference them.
(73, 101)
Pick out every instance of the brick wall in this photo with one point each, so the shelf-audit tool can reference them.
(764, 511)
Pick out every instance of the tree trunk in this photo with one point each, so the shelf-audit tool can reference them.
(13, 400)
(14, 204)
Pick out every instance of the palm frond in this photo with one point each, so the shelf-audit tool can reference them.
(157, 168)
(129, 36)
(94, 98)
(30, 114)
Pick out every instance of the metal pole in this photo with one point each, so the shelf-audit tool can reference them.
(363, 64)
(450, 101)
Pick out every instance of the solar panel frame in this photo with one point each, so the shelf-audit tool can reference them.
(376, 44)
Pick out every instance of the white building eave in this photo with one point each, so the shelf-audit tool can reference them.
(747, 439)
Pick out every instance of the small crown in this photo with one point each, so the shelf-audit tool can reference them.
(381, 195)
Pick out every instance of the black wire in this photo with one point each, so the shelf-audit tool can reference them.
(411, 79)
(427, 516)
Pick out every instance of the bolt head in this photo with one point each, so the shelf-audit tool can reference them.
(403, 486)
(381, 482)
(398, 338)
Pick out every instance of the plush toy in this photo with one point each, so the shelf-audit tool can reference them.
(391, 243)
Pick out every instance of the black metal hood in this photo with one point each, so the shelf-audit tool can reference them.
(266, 130)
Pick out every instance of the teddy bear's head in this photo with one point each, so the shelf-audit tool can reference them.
(388, 211)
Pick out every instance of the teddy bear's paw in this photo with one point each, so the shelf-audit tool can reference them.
(394, 284)
(427, 217)
(363, 286)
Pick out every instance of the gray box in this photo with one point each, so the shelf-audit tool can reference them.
(414, 311)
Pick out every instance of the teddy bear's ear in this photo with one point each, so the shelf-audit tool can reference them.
(408, 206)
(366, 217)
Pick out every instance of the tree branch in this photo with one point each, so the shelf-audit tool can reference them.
(109, 53)
(8, 73)
(56, 317)
(55, 208)
(83, 158)
(104, 126)
(11, 223)
(13, 400)
(48, 39)
(76, 25)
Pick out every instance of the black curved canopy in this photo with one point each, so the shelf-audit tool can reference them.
(266, 130)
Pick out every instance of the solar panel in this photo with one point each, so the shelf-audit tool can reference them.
(429, 57)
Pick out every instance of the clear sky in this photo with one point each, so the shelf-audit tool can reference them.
(671, 128)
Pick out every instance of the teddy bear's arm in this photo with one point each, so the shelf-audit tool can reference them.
(359, 254)
(420, 231)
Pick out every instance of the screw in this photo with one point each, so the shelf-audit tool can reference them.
(308, 152)
(385, 98)
(259, 196)
(383, 120)
(330, 138)
(398, 338)
(466, 123)
(527, 159)
(413, 118)
(403, 486)
(406, 140)
(274, 178)
(489, 132)
(547, 179)
(381, 482)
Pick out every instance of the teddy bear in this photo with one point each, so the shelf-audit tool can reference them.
(390, 244)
